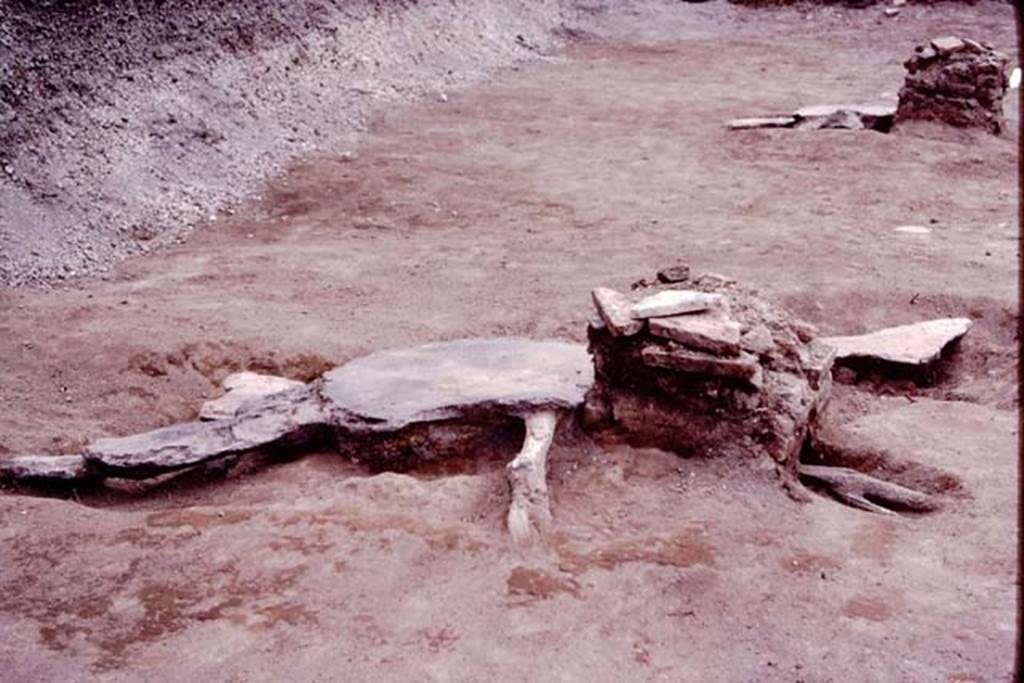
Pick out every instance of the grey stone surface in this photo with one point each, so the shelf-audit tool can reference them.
(762, 122)
(915, 344)
(242, 387)
(757, 340)
(390, 389)
(260, 423)
(710, 331)
(947, 45)
(674, 302)
(44, 468)
(616, 311)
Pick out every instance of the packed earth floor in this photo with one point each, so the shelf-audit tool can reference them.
(493, 213)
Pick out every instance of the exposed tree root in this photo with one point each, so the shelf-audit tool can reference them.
(529, 512)
(868, 493)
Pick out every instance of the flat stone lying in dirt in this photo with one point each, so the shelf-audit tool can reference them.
(388, 390)
(242, 387)
(915, 344)
(260, 423)
(44, 467)
(873, 116)
(762, 122)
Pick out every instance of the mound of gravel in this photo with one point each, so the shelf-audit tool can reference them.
(124, 124)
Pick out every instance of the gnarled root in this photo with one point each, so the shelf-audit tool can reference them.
(529, 512)
(868, 493)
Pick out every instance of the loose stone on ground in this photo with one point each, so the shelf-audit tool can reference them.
(915, 344)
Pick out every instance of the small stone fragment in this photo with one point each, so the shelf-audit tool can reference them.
(708, 331)
(761, 122)
(242, 387)
(675, 302)
(44, 468)
(915, 344)
(673, 274)
(891, 12)
(818, 363)
(744, 367)
(615, 310)
(758, 340)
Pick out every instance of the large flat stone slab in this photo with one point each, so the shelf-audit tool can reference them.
(388, 390)
(917, 344)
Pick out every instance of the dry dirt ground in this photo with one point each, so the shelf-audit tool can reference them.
(494, 213)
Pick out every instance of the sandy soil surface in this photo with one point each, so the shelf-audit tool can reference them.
(124, 123)
(494, 213)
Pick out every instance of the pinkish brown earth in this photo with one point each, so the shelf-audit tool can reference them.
(495, 213)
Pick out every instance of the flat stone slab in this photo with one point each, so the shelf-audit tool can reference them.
(388, 390)
(674, 302)
(761, 122)
(616, 312)
(242, 387)
(44, 467)
(259, 423)
(708, 331)
(947, 44)
(744, 366)
(916, 344)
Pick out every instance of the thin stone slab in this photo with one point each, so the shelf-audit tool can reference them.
(674, 302)
(388, 390)
(947, 45)
(917, 344)
(616, 311)
(761, 122)
(259, 424)
(708, 331)
(45, 468)
(242, 387)
(744, 366)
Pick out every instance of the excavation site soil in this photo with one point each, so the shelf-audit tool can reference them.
(494, 211)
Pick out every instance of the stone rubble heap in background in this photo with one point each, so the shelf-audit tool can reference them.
(957, 81)
(738, 377)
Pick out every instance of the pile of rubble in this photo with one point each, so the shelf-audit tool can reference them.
(957, 81)
(702, 366)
